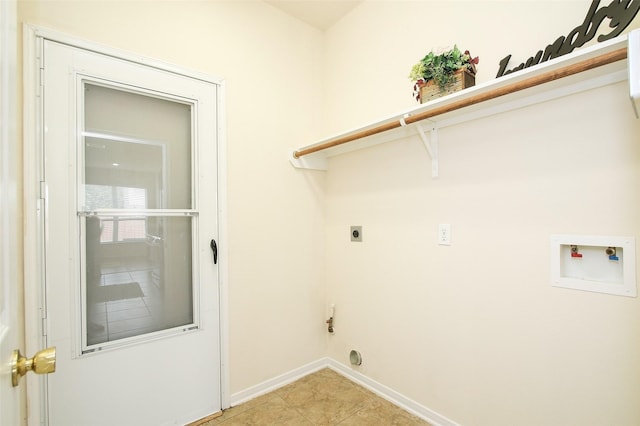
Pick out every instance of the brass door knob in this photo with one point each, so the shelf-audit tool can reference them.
(43, 362)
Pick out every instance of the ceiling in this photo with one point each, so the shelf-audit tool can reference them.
(320, 14)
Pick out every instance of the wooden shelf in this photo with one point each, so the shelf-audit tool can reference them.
(582, 70)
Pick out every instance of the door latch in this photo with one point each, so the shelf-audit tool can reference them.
(214, 249)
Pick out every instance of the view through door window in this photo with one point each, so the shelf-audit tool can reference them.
(136, 213)
(118, 229)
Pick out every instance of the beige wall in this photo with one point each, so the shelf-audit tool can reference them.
(271, 64)
(475, 331)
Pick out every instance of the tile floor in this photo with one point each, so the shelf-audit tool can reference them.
(321, 398)
(123, 317)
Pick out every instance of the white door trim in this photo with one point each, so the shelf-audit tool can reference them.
(35, 317)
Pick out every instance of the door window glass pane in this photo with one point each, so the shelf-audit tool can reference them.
(114, 197)
(137, 141)
(138, 275)
(138, 287)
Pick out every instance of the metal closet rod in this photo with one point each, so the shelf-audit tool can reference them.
(598, 61)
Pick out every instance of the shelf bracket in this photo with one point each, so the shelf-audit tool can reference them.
(431, 144)
(316, 161)
(633, 54)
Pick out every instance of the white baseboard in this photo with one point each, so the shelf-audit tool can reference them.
(379, 389)
(390, 395)
(277, 382)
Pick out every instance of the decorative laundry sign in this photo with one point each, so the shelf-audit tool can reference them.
(619, 12)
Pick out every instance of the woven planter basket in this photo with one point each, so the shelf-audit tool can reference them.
(430, 90)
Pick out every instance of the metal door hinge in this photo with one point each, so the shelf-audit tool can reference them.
(43, 190)
(40, 82)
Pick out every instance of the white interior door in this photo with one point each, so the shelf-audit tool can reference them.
(132, 299)
(11, 397)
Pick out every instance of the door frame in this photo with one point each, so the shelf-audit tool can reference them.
(34, 191)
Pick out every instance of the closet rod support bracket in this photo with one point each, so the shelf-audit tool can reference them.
(431, 144)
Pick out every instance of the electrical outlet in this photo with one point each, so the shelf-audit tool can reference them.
(444, 234)
(356, 234)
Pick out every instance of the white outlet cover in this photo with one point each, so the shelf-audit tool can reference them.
(444, 234)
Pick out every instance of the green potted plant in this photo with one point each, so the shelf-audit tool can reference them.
(443, 73)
